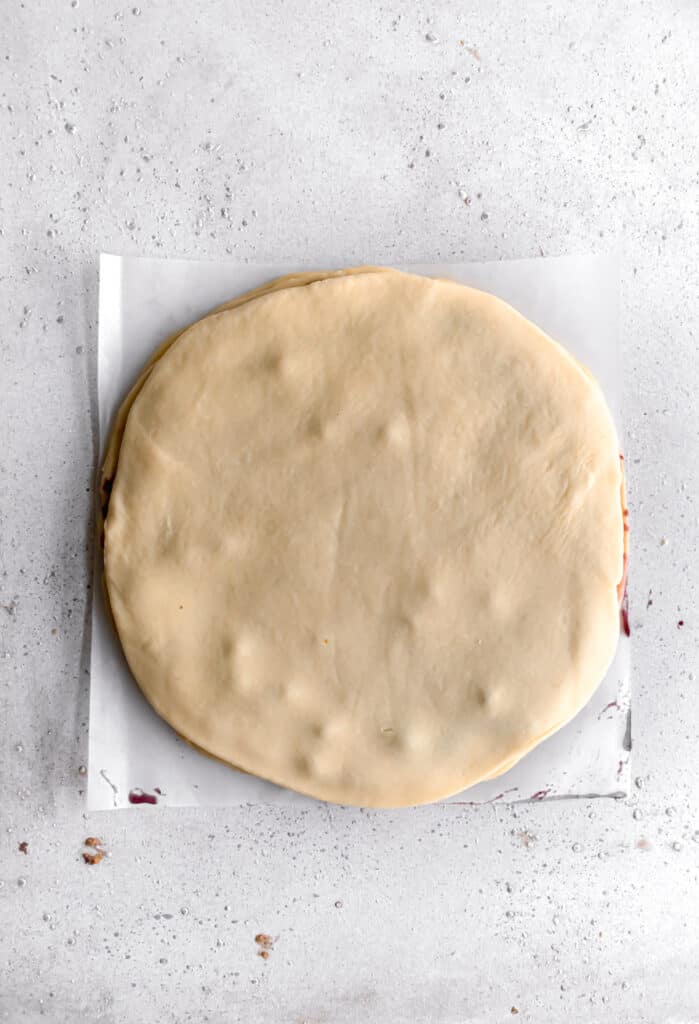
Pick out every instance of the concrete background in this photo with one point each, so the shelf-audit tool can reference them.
(342, 133)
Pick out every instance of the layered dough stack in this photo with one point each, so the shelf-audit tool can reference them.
(363, 535)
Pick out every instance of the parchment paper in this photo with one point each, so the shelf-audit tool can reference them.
(132, 752)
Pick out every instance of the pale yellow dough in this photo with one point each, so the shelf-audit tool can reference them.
(364, 535)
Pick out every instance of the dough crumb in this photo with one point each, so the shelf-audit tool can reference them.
(95, 852)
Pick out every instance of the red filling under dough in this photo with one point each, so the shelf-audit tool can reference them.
(621, 586)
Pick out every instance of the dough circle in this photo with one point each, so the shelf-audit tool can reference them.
(363, 535)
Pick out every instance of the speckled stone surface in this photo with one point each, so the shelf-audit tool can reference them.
(342, 134)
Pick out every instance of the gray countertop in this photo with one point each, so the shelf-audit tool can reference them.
(328, 134)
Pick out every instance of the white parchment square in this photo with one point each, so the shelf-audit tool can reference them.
(141, 302)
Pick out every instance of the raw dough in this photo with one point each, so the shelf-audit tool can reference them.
(364, 535)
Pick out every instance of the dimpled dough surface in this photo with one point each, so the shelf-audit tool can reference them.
(365, 535)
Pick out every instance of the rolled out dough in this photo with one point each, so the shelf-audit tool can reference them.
(364, 535)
